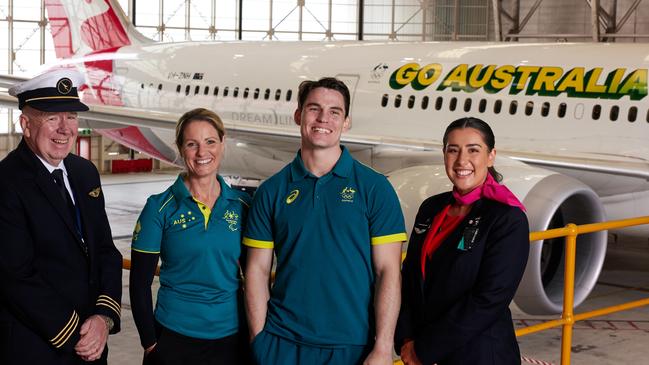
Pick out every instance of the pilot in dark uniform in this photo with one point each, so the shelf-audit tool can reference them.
(60, 273)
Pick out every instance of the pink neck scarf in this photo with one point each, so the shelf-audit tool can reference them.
(490, 189)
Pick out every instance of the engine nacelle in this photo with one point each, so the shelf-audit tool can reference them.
(552, 200)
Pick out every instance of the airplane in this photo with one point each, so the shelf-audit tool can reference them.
(571, 120)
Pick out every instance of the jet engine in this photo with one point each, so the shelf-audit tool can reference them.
(552, 200)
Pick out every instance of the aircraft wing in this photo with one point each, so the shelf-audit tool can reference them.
(618, 165)
(7, 81)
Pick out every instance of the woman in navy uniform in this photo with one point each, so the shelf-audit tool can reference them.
(466, 256)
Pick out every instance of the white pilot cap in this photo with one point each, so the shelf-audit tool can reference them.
(53, 91)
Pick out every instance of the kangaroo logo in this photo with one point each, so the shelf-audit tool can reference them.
(231, 218)
(347, 195)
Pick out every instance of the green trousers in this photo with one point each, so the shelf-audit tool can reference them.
(268, 349)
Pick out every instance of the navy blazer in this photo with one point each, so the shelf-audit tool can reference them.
(460, 313)
(48, 285)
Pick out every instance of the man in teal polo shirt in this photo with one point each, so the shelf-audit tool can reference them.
(336, 227)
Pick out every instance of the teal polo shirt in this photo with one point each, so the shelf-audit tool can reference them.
(199, 249)
(322, 231)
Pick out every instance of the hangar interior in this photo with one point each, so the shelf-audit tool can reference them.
(26, 47)
(26, 44)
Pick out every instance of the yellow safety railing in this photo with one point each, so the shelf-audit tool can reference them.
(568, 317)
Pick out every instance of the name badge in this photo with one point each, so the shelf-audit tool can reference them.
(469, 235)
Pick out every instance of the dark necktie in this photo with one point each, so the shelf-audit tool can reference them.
(57, 174)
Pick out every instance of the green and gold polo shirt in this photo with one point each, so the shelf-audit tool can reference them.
(322, 230)
(199, 249)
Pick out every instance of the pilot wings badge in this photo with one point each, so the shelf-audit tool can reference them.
(94, 192)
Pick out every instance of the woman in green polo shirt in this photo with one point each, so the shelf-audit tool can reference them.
(195, 228)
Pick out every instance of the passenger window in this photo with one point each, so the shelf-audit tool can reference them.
(545, 109)
(278, 94)
(633, 114)
(142, 86)
(513, 106)
(384, 100)
(226, 91)
(453, 104)
(197, 89)
(597, 111)
(467, 105)
(647, 115)
(159, 87)
(289, 94)
(482, 106)
(397, 101)
(246, 91)
(424, 102)
(529, 108)
(498, 105)
(206, 91)
(615, 111)
(255, 95)
(562, 110)
(216, 91)
(187, 90)
(411, 101)
(266, 94)
(438, 103)
(235, 92)
(178, 88)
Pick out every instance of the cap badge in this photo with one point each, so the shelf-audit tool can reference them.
(64, 86)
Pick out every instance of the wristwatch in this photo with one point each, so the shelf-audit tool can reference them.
(109, 322)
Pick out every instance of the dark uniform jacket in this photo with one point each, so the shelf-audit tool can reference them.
(460, 313)
(48, 285)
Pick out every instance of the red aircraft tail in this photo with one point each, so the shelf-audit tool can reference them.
(94, 30)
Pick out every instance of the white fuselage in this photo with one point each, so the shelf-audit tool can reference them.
(151, 75)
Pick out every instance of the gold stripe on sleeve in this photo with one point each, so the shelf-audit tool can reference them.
(109, 302)
(109, 299)
(68, 334)
(67, 331)
(398, 237)
(257, 244)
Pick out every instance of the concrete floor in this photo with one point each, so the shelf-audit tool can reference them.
(621, 338)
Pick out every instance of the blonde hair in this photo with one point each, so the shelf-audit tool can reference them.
(198, 114)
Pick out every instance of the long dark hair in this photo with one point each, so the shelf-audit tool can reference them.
(487, 136)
